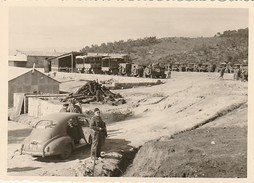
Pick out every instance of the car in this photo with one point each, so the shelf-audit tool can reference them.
(57, 134)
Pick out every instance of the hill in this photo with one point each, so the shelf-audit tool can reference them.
(229, 46)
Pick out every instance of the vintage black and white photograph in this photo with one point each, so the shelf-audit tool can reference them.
(127, 92)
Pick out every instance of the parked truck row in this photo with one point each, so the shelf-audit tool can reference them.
(121, 64)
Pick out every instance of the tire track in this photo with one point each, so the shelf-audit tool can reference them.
(220, 113)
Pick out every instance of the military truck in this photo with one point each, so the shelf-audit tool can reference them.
(110, 66)
(235, 66)
(221, 66)
(197, 67)
(158, 71)
(182, 67)
(137, 70)
(125, 69)
(155, 71)
(204, 67)
(175, 66)
(167, 72)
(190, 67)
(147, 72)
(89, 63)
(211, 68)
(244, 72)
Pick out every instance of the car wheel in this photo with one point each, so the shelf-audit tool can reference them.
(66, 152)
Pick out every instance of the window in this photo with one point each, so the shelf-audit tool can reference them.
(45, 124)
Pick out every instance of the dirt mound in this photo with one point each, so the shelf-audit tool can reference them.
(211, 152)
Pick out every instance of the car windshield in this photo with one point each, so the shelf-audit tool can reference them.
(45, 124)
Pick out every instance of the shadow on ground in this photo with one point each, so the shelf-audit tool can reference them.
(17, 136)
(111, 145)
(18, 169)
(116, 145)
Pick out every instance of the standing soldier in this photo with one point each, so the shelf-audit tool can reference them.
(222, 72)
(134, 71)
(238, 73)
(148, 71)
(73, 107)
(168, 73)
(98, 135)
(64, 108)
(235, 73)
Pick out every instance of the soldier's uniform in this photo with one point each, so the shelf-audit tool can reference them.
(168, 73)
(222, 72)
(98, 136)
(74, 108)
(64, 108)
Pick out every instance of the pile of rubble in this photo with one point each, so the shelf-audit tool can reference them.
(92, 91)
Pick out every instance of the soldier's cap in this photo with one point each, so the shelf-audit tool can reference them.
(65, 104)
(96, 109)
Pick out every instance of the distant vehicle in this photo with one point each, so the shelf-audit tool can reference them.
(221, 66)
(229, 68)
(158, 71)
(137, 70)
(204, 67)
(190, 67)
(244, 72)
(182, 67)
(148, 72)
(57, 134)
(197, 67)
(244, 66)
(125, 69)
(175, 66)
(89, 64)
(236, 66)
(211, 68)
(110, 65)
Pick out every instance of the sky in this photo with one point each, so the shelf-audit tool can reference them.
(72, 28)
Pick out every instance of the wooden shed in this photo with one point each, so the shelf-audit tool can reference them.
(21, 80)
(64, 63)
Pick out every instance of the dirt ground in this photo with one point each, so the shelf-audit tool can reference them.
(186, 102)
(217, 149)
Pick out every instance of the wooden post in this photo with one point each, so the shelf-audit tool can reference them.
(72, 62)
(25, 104)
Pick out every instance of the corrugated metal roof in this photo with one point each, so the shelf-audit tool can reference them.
(79, 55)
(14, 72)
(116, 55)
(65, 54)
(40, 53)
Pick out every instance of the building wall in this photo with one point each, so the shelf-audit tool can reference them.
(38, 60)
(17, 63)
(54, 64)
(31, 82)
(38, 107)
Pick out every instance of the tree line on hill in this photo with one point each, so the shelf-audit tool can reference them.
(121, 46)
(230, 46)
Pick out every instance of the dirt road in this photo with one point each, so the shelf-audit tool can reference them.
(186, 101)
